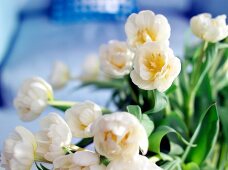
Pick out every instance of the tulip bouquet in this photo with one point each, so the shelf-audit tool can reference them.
(168, 114)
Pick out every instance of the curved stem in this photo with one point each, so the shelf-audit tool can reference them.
(64, 105)
(61, 103)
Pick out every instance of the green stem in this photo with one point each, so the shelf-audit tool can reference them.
(179, 93)
(191, 143)
(64, 105)
(199, 63)
(190, 107)
(196, 82)
(61, 103)
(216, 63)
(168, 107)
(223, 157)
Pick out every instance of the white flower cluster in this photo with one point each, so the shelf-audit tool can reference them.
(146, 55)
(115, 138)
(119, 136)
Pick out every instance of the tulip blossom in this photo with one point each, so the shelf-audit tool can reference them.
(90, 68)
(53, 136)
(155, 67)
(119, 135)
(64, 162)
(146, 27)
(81, 160)
(80, 118)
(116, 59)
(19, 150)
(32, 98)
(136, 163)
(208, 28)
(60, 75)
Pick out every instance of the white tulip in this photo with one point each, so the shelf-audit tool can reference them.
(81, 160)
(146, 27)
(64, 162)
(136, 163)
(88, 160)
(119, 135)
(208, 28)
(116, 59)
(90, 68)
(32, 98)
(155, 67)
(19, 150)
(53, 136)
(60, 75)
(80, 118)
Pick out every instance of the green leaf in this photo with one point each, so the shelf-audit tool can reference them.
(105, 161)
(84, 142)
(175, 149)
(171, 89)
(136, 111)
(173, 120)
(155, 138)
(61, 105)
(160, 101)
(101, 84)
(40, 167)
(172, 165)
(148, 124)
(223, 114)
(222, 45)
(204, 137)
(191, 166)
(143, 118)
(62, 108)
(43, 167)
(37, 166)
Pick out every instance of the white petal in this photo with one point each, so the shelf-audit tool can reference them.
(86, 158)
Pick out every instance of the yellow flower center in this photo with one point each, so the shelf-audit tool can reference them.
(145, 35)
(111, 135)
(117, 60)
(119, 65)
(154, 64)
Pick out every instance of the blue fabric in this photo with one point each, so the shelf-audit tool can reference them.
(71, 10)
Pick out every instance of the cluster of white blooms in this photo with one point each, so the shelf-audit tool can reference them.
(146, 55)
(119, 136)
(115, 138)
(22, 148)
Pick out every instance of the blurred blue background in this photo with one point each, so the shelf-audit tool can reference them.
(35, 33)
